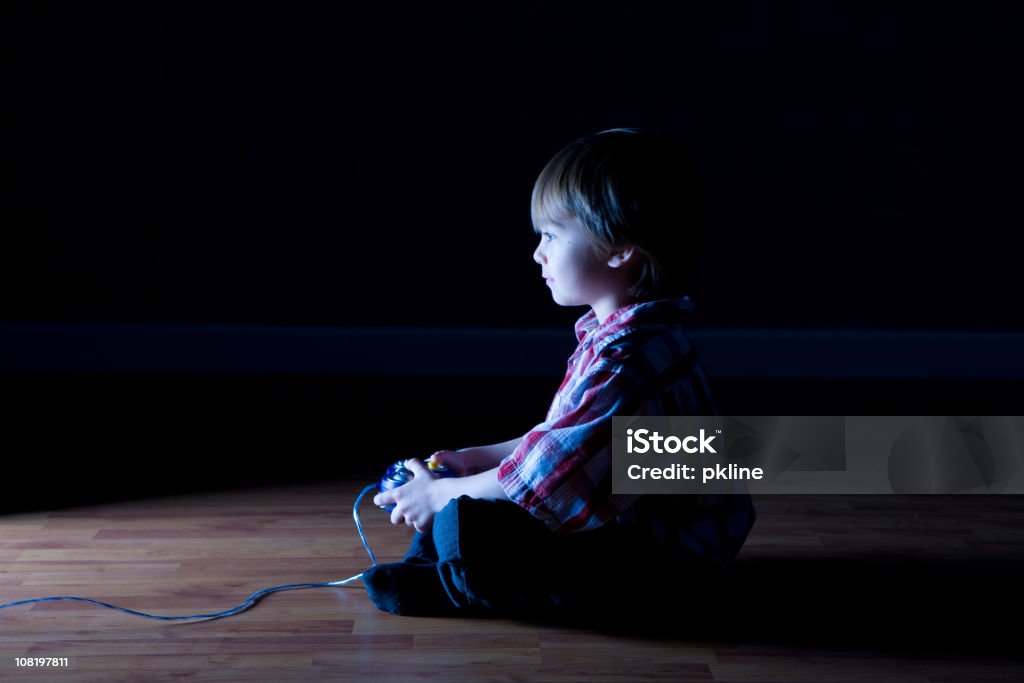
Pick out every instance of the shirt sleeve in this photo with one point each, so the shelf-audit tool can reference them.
(562, 470)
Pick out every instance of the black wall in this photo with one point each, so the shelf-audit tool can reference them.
(333, 163)
(343, 162)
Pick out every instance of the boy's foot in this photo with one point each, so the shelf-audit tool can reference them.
(408, 589)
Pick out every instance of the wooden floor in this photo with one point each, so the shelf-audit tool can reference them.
(829, 588)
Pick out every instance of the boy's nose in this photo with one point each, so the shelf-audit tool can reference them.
(538, 255)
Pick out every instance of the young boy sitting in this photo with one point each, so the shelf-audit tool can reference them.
(531, 524)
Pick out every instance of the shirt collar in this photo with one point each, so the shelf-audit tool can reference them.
(660, 311)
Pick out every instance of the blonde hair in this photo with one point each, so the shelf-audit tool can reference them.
(629, 186)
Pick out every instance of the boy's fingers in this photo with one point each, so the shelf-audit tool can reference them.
(417, 467)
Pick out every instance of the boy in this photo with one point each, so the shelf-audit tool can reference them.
(531, 524)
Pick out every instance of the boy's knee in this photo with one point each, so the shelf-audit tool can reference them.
(446, 521)
(486, 516)
(486, 531)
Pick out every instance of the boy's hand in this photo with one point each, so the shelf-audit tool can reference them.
(454, 460)
(467, 461)
(417, 501)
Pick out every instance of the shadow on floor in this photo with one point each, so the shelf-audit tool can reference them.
(936, 607)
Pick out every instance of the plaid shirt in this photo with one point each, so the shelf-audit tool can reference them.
(637, 362)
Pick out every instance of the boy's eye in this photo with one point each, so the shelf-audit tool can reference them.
(548, 236)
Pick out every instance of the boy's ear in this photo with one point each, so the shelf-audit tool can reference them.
(619, 257)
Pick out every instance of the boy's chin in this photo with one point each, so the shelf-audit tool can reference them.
(562, 302)
(568, 304)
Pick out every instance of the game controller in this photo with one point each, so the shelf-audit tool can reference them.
(398, 474)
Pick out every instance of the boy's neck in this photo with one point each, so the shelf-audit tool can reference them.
(604, 308)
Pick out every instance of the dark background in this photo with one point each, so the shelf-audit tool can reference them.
(369, 164)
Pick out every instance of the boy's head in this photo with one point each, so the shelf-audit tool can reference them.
(629, 188)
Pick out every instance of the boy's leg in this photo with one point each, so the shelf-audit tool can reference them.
(410, 587)
(421, 550)
(480, 555)
(494, 555)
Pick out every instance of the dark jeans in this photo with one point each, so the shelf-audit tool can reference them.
(494, 555)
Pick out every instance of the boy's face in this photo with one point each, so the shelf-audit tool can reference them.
(573, 269)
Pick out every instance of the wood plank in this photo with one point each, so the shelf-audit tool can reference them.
(828, 588)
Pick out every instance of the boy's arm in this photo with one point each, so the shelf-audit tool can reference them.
(477, 459)
(483, 485)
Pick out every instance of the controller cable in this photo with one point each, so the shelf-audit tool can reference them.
(249, 602)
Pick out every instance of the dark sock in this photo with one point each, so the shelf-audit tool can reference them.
(408, 589)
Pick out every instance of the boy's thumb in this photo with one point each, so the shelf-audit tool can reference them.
(440, 457)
